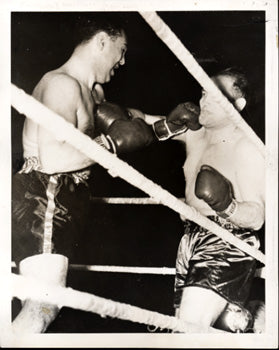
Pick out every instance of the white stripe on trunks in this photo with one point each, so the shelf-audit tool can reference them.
(48, 224)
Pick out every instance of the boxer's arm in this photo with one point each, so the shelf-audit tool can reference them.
(249, 215)
(247, 210)
(250, 175)
(62, 95)
(183, 117)
(149, 119)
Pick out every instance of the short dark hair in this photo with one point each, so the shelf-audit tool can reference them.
(86, 27)
(240, 79)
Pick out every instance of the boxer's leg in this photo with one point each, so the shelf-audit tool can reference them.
(200, 306)
(34, 209)
(46, 218)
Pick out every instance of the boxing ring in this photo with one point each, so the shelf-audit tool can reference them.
(66, 132)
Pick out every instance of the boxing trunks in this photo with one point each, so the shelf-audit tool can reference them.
(48, 211)
(205, 260)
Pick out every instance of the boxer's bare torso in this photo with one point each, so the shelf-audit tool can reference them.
(233, 156)
(65, 95)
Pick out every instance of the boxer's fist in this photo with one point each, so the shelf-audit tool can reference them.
(123, 131)
(128, 136)
(185, 114)
(214, 188)
(183, 117)
(107, 113)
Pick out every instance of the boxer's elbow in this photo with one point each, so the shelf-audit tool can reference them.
(250, 215)
(258, 222)
(257, 216)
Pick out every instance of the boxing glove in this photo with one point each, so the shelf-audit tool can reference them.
(122, 131)
(128, 136)
(183, 117)
(107, 113)
(215, 190)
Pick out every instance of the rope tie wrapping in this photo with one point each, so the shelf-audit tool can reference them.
(64, 131)
(185, 57)
(26, 288)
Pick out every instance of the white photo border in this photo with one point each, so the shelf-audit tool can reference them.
(270, 338)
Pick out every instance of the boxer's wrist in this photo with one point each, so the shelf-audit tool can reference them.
(229, 211)
(106, 142)
(163, 132)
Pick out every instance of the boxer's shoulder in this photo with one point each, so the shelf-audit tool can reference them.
(57, 84)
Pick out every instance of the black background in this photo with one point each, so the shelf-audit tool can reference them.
(154, 81)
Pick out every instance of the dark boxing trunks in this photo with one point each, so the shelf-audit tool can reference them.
(48, 212)
(205, 260)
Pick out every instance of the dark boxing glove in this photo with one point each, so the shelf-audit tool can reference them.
(123, 132)
(107, 113)
(216, 191)
(183, 117)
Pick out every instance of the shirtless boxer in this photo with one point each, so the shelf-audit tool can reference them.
(224, 173)
(49, 194)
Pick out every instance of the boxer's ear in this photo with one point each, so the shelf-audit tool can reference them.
(101, 39)
(240, 103)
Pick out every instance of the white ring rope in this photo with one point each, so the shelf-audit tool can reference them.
(64, 131)
(27, 288)
(179, 50)
(260, 272)
(124, 269)
(126, 200)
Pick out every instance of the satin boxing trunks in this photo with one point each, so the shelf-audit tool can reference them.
(48, 212)
(205, 260)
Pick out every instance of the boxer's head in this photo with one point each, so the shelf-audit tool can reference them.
(86, 28)
(233, 84)
(102, 44)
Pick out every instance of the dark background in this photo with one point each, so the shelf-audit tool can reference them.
(154, 81)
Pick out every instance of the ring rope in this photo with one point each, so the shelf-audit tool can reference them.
(27, 288)
(164, 32)
(65, 131)
(124, 269)
(126, 200)
(260, 272)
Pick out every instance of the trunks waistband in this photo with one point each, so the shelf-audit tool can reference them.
(224, 223)
(33, 164)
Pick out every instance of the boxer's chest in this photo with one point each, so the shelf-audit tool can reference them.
(219, 156)
(85, 114)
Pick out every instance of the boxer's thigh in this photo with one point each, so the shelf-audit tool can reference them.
(201, 306)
